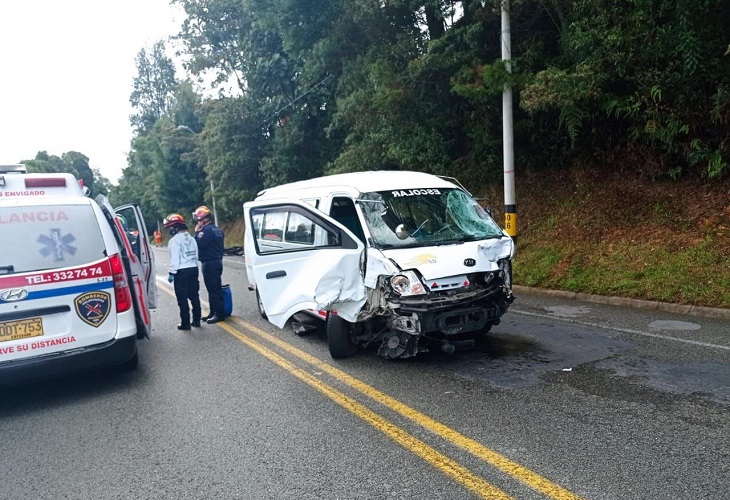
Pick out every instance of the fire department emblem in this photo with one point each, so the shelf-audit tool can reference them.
(93, 307)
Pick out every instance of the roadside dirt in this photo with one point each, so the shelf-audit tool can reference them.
(600, 219)
(621, 206)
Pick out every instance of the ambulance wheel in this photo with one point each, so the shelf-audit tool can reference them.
(130, 364)
(262, 311)
(339, 339)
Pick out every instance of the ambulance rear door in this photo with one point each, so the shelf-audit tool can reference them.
(138, 275)
(56, 287)
(141, 246)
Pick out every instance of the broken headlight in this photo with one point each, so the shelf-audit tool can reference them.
(406, 284)
(505, 271)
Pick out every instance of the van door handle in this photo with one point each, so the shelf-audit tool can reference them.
(275, 274)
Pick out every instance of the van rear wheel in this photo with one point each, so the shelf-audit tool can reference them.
(339, 338)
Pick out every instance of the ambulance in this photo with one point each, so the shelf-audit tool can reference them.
(75, 294)
(403, 261)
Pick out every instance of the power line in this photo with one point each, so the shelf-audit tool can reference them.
(278, 111)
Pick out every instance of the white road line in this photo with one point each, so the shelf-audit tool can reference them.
(624, 330)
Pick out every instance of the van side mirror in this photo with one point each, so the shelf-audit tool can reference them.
(488, 203)
(401, 232)
(390, 219)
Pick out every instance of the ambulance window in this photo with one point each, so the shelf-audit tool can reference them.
(129, 223)
(49, 237)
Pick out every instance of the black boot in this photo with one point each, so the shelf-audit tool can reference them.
(213, 319)
(183, 327)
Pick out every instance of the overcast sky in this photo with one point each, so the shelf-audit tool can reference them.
(66, 71)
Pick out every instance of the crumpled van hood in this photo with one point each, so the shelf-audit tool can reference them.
(449, 260)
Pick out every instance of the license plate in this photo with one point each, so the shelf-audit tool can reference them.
(21, 329)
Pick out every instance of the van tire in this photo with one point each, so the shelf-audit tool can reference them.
(260, 304)
(482, 339)
(339, 338)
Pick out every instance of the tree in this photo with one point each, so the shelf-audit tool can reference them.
(154, 87)
(74, 163)
(218, 35)
(650, 75)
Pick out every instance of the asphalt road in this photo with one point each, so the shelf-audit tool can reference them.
(566, 400)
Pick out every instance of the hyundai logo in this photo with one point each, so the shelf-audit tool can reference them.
(470, 262)
(13, 295)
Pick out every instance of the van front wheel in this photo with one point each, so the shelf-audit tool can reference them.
(339, 338)
(262, 311)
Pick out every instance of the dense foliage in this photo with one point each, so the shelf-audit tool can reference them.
(71, 162)
(323, 86)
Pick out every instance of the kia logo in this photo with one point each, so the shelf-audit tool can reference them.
(13, 295)
(470, 262)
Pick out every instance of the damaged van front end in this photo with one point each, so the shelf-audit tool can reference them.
(404, 262)
(439, 271)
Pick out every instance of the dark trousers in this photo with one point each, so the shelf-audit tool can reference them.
(212, 272)
(186, 289)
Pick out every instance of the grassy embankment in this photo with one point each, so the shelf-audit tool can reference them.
(606, 234)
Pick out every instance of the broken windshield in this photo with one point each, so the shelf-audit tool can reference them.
(424, 217)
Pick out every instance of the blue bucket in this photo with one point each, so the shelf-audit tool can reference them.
(227, 300)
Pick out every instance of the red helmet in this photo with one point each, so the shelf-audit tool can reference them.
(173, 220)
(201, 212)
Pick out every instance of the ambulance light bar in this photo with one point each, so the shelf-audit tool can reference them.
(44, 182)
(13, 169)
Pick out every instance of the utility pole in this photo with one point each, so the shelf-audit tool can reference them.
(508, 147)
(212, 193)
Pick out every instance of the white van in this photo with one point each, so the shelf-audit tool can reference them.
(75, 293)
(401, 260)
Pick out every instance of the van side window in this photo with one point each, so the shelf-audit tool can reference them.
(299, 229)
(281, 229)
(273, 226)
(343, 211)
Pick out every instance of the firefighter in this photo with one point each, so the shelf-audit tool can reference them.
(210, 252)
(183, 270)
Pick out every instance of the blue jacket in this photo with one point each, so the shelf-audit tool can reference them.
(210, 243)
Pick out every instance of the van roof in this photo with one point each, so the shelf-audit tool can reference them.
(363, 182)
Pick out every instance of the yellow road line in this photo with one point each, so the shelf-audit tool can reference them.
(451, 468)
(528, 477)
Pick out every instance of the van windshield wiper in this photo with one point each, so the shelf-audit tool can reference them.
(388, 246)
(448, 242)
(7, 269)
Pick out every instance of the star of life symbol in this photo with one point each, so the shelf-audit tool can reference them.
(57, 245)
